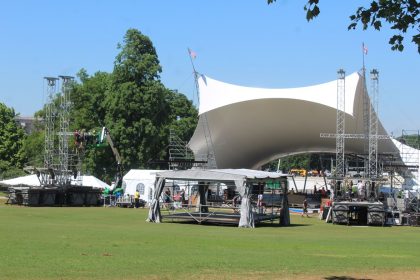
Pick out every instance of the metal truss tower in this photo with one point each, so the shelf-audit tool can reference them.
(366, 110)
(210, 157)
(373, 125)
(49, 123)
(63, 144)
(340, 125)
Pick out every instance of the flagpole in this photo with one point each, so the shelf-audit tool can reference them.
(363, 56)
(192, 63)
(195, 75)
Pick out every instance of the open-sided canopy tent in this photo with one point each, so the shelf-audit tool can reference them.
(243, 179)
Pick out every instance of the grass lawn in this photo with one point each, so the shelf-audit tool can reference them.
(114, 243)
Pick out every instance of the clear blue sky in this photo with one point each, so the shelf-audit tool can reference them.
(241, 42)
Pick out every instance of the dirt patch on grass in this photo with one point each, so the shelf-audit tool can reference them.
(373, 275)
(406, 275)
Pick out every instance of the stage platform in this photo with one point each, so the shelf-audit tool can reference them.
(215, 217)
(358, 213)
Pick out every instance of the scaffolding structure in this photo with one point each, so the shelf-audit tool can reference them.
(371, 168)
(350, 206)
(410, 153)
(63, 177)
(340, 124)
(49, 122)
(373, 126)
(47, 178)
(366, 116)
(180, 155)
(411, 138)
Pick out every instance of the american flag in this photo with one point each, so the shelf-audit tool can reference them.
(365, 49)
(192, 53)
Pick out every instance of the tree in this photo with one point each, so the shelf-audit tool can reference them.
(33, 147)
(134, 105)
(137, 107)
(88, 106)
(402, 15)
(88, 114)
(183, 115)
(11, 141)
(308, 161)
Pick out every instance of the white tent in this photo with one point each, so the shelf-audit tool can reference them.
(32, 180)
(92, 181)
(253, 126)
(250, 127)
(29, 180)
(142, 180)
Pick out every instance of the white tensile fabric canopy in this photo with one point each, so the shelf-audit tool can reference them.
(32, 180)
(248, 127)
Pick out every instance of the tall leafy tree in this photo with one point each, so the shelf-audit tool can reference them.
(133, 104)
(88, 114)
(183, 115)
(11, 141)
(401, 15)
(137, 108)
(87, 97)
(33, 147)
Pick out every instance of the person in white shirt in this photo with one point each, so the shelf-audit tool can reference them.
(361, 190)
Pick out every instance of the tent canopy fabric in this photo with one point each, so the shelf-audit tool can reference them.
(250, 127)
(216, 94)
(32, 180)
(142, 180)
(220, 175)
(29, 180)
(135, 174)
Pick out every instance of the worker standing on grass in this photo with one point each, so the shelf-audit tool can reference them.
(305, 208)
(137, 199)
(260, 203)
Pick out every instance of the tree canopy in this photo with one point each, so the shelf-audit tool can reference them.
(136, 108)
(401, 15)
(131, 102)
(134, 105)
(11, 141)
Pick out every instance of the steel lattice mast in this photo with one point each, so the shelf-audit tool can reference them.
(340, 125)
(373, 125)
(49, 123)
(63, 144)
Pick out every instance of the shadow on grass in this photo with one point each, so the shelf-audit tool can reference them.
(199, 224)
(278, 225)
(261, 225)
(345, 278)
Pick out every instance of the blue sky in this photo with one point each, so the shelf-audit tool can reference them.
(241, 42)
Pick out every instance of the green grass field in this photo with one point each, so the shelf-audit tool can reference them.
(113, 243)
